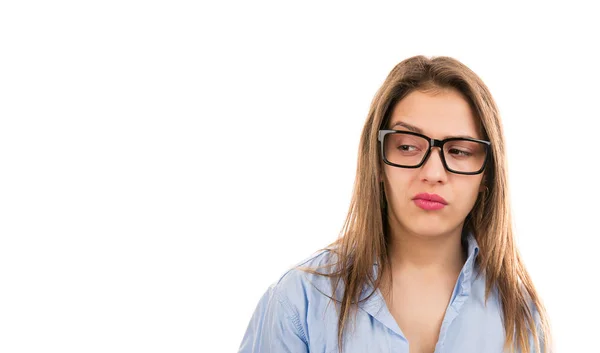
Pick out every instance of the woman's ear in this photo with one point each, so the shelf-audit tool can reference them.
(380, 175)
(483, 186)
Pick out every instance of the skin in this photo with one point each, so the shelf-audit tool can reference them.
(430, 240)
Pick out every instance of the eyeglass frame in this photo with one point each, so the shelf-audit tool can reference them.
(433, 143)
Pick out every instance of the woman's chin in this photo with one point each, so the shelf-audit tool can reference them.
(427, 227)
(429, 232)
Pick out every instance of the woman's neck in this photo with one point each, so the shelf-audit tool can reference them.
(443, 253)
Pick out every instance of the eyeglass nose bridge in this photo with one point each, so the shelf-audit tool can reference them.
(436, 143)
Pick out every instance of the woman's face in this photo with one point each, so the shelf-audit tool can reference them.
(438, 116)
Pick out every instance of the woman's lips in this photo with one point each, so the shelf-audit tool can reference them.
(429, 205)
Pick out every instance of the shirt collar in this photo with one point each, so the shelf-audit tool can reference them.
(375, 305)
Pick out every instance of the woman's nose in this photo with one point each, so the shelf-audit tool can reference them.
(433, 169)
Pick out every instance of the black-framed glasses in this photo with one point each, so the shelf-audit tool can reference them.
(407, 149)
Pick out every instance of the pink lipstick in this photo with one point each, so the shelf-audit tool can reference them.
(429, 202)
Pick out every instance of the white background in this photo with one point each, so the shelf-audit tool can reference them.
(163, 162)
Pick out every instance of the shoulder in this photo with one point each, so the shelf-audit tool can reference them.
(296, 285)
(279, 322)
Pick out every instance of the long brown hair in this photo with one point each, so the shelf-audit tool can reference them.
(364, 239)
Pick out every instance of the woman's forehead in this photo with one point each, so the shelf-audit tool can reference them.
(442, 115)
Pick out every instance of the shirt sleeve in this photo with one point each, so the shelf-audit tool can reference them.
(274, 327)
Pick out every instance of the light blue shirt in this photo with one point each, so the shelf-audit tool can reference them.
(293, 316)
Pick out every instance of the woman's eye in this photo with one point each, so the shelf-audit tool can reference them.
(457, 152)
(406, 148)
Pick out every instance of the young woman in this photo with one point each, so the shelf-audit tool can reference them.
(426, 261)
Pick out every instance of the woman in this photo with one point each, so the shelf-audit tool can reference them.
(426, 261)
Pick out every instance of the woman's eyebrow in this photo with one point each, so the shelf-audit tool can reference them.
(407, 126)
(420, 131)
